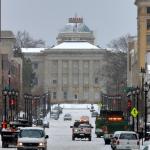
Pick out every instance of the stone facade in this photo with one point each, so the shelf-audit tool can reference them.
(72, 70)
(10, 67)
(69, 75)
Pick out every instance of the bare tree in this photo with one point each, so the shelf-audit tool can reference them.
(120, 44)
(117, 64)
(24, 40)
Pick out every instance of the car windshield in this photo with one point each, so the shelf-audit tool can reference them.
(128, 136)
(67, 115)
(32, 133)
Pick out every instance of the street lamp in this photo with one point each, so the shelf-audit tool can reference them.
(133, 96)
(146, 89)
(129, 105)
(137, 105)
(10, 94)
(30, 109)
(16, 94)
(25, 101)
(5, 93)
(49, 101)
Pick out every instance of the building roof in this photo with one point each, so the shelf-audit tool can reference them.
(32, 50)
(75, 45)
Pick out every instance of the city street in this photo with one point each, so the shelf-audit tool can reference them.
(60, 134)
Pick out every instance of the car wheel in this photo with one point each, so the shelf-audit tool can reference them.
(4, 145)
(89, 138)
(73, 138)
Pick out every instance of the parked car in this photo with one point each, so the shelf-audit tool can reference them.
(146, 147)
(125, 140)
(54, 116)
(45, 123)
(32, 138)
(67, 117)
(58, 108)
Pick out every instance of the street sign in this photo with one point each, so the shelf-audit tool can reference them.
(134, 112)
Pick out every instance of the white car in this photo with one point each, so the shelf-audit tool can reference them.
(32, 138)
(67, 117)
(125, 140)
(45, 123)
(146, 147)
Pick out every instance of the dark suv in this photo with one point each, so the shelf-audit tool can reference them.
(81, 130)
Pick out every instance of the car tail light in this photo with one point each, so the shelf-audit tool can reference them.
(118, 142)
(114, 141)
(138, 143)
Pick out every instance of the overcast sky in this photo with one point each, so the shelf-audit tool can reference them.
(109, 19)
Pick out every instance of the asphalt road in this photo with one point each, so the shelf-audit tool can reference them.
(60, 137)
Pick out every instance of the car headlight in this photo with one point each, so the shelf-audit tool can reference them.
(41, 144)
(76, 130)
(20, 144)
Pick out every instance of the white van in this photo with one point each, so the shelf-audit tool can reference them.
(125, 140)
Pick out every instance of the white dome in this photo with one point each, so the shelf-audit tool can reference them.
(75, 27)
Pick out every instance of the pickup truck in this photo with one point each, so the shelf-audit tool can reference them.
(81, 130)
(9, 135)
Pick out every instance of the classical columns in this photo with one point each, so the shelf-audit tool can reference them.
(59, 80)
(91, 90)
(70, 97)
(80, 79)
(48, 77)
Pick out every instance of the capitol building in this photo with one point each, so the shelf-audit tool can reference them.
(72, 70)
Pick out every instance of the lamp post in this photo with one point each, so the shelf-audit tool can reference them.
(44, 105)
(129, 105)
(12, 103)
(16, 97)
(10, 95)
(5, 93)
(30, 109)
(25, 101)
(133, 96)
(36, 99)
(146, 89)
(49, 101)
(137, 105)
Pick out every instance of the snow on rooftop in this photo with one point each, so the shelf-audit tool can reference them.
(32, 50)
(75, 45)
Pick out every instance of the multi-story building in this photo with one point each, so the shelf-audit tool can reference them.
(143, 39)
(72, 70)
(10, 67)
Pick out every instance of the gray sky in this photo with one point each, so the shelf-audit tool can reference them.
(109, 19)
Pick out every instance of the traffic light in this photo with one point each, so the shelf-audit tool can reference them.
(129, 104)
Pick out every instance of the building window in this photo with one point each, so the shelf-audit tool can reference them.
(65, 95)
(75, 96)
(148, 40)
(148, 24)
(148, 10)
(35, 65)
(54, 81)
(96, 80)
(54, 95)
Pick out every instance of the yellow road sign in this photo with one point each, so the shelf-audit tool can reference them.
(134, 112)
